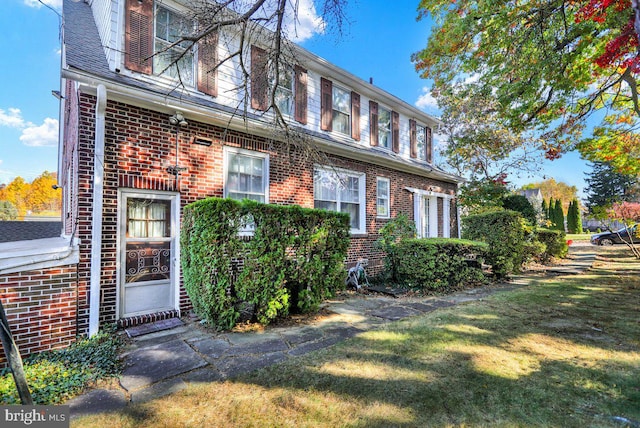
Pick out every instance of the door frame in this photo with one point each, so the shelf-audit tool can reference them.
(174, 198)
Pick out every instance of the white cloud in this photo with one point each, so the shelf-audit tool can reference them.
(426, 101)
(307, 22)
(45, 135)
(56, 4)
(12, 118)
(32, 134)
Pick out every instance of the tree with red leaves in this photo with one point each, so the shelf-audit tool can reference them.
(550, 64)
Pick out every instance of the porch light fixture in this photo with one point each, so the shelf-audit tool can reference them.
(178, 119)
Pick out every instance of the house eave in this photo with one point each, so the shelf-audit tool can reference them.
(162, 102)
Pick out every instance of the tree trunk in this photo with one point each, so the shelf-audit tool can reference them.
(14, 359)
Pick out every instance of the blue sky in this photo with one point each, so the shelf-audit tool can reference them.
(377, 43)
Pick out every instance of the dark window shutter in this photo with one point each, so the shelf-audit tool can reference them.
(300, 106)
(207, 64)
(373, 123)
(139, 36)
(259, 79)
(413, 139)
(395, 132)
(429, 143)
(355, 116)
(326, 104)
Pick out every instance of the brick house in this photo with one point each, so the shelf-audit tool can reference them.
(134, 150)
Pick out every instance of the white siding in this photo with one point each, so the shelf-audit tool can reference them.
(109, 16)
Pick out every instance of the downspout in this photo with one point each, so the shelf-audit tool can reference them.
(96, 222)
(458, 211)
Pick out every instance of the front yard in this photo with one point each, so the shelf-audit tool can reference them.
(564, 351)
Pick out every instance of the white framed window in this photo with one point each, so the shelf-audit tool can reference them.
(342, 191)
(246, 174)
(384, 128)
(382, 197)
(169, 27)
(421, 142)
(284, 92)
(341, 103)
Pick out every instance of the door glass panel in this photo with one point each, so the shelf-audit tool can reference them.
(147, 257)
(148, 261)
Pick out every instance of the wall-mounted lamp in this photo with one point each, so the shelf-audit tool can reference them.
(57, 94)
(56, 187)
(178, 119)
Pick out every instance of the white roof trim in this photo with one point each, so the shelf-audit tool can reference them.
(429, 193)
(20, 256)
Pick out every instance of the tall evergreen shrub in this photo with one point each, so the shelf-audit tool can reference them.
(504, 231)
(293, 259)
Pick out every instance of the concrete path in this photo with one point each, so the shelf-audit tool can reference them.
(165, 362)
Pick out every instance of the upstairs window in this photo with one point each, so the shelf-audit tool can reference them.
(177, 61)
(421, 142)
(284, 91)
(339, 109)
(384, 128)
(341, 101)
(150, 30)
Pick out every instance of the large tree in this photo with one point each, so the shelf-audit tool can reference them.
(606, 186)
(479, 144)
(551, 64)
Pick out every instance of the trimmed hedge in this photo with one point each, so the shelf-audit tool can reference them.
(504, 231)
(439, 263)
(293, 260)
(555, 242)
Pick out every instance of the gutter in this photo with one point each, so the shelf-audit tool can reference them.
(96, 222)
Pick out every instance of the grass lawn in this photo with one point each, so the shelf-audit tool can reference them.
(578, 237)
(562, 352)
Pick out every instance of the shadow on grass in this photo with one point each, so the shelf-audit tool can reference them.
(560, 352)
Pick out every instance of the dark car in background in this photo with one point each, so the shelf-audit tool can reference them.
(617, 237)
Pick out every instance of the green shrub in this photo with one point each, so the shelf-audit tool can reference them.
(55, 376)
(293, 259)
(439, 263)
(505, 232)
(555, 244)
(396, 230)
(522, 205)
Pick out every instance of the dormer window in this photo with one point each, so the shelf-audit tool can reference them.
(175, 62)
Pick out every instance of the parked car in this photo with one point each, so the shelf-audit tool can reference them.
(618, 237)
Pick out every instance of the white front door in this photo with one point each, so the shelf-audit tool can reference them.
(148, 252)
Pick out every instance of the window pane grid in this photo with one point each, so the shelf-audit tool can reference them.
(382, 200)
(169, 27)
(339, 193)
(384, 128)
(341, 111)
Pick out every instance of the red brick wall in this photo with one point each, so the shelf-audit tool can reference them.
(41, 308)
(139, 146)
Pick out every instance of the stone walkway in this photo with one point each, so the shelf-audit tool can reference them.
(165, 362)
